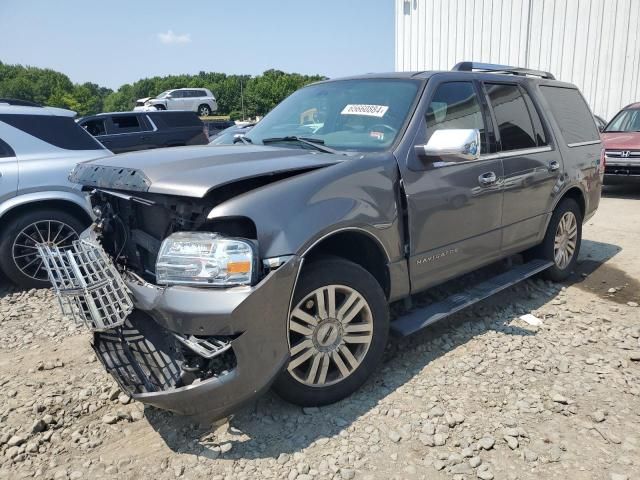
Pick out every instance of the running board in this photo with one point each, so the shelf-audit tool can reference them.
(423, 317)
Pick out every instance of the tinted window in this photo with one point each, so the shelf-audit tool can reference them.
(127, 123)
(572, 114)
(455, 105)
(512, 116)
(200, 93)
(62, 132)
(6, 150)
(541, 136)
(95, 127)
(178, 94)
(176, 119)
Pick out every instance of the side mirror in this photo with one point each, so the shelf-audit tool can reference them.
(455, 145)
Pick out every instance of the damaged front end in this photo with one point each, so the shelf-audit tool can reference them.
(182, 346)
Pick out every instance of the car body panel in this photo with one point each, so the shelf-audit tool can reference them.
(621, 140)
(195, 171)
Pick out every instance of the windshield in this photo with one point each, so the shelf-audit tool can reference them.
(352, 115)
(625, 121)
(163, 94)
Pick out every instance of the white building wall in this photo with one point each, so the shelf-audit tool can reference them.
(594, 44)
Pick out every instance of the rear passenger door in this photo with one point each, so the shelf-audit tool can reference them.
(125, 133)
(532, 168)
(454, 212)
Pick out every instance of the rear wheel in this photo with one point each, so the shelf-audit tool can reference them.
(19, 259)
(562, 241)
(204, 110)
(338, 329)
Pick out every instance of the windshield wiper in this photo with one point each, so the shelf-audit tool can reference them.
(312, 142)
(246, 141)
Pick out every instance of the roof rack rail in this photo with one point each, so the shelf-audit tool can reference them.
(17, 102)
(491, 67)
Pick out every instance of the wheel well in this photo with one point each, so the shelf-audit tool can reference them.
(70, 207)
(576, 194)
(357, 247)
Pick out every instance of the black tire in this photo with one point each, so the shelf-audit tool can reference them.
(11, 230)
(204, 110)
(546, 249)
(339, 272)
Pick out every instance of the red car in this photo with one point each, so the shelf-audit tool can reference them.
(621, 139)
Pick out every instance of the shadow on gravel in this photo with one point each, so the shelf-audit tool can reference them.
(271, 427)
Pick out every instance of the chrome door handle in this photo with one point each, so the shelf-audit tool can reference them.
(554, 165)
(487, 179)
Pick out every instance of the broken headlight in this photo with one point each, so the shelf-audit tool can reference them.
(205, 259)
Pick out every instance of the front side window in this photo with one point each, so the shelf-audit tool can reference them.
(512, 116)
(455, 105)
(350, 115)
(95, 127)
(625, 121)
(178, 94)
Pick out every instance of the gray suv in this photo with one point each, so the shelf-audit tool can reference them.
(38, 204)
(213, 273)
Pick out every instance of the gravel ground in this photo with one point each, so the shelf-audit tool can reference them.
(482, 395)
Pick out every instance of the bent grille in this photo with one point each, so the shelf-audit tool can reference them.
(87, 284)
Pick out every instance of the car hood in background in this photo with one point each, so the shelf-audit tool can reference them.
(621, 140)
(194, 171)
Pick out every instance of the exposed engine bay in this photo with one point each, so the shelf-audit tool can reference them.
(132, 226)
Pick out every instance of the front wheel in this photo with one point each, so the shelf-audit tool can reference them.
(338, 328)
(562, 241)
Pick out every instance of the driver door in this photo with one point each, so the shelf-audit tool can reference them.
(454, 209)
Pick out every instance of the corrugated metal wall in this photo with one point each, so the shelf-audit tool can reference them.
(594, 44)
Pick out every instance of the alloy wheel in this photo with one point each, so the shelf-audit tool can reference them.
(44, 232)
(565, 240)
(330, 332)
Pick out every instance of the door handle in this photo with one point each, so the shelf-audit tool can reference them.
(554, 165)
(487, 179)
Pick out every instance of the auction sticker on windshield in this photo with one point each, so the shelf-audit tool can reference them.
(368, 110)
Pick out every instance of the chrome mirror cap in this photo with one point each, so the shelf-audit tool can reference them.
(458, 145)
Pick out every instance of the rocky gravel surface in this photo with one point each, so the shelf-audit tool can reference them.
(485, 394)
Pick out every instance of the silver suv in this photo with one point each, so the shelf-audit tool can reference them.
(199, 100)
(38, 204)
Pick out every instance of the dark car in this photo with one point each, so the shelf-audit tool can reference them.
(128, 131)
(214, 127)
(214, 273)
(600, 122)
(232, 134)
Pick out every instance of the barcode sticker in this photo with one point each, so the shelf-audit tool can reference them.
(367, 110)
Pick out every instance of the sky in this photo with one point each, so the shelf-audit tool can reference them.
(120, 41)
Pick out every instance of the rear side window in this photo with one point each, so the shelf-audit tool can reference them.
(572, 114)
(200, 93)
(62, 132)
(455, 105)
(95, 127)
(126, 123)
(512, 116)
(176, 119)
(6, 150)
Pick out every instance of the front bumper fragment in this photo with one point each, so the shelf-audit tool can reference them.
(197, 350)
(143, 358)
